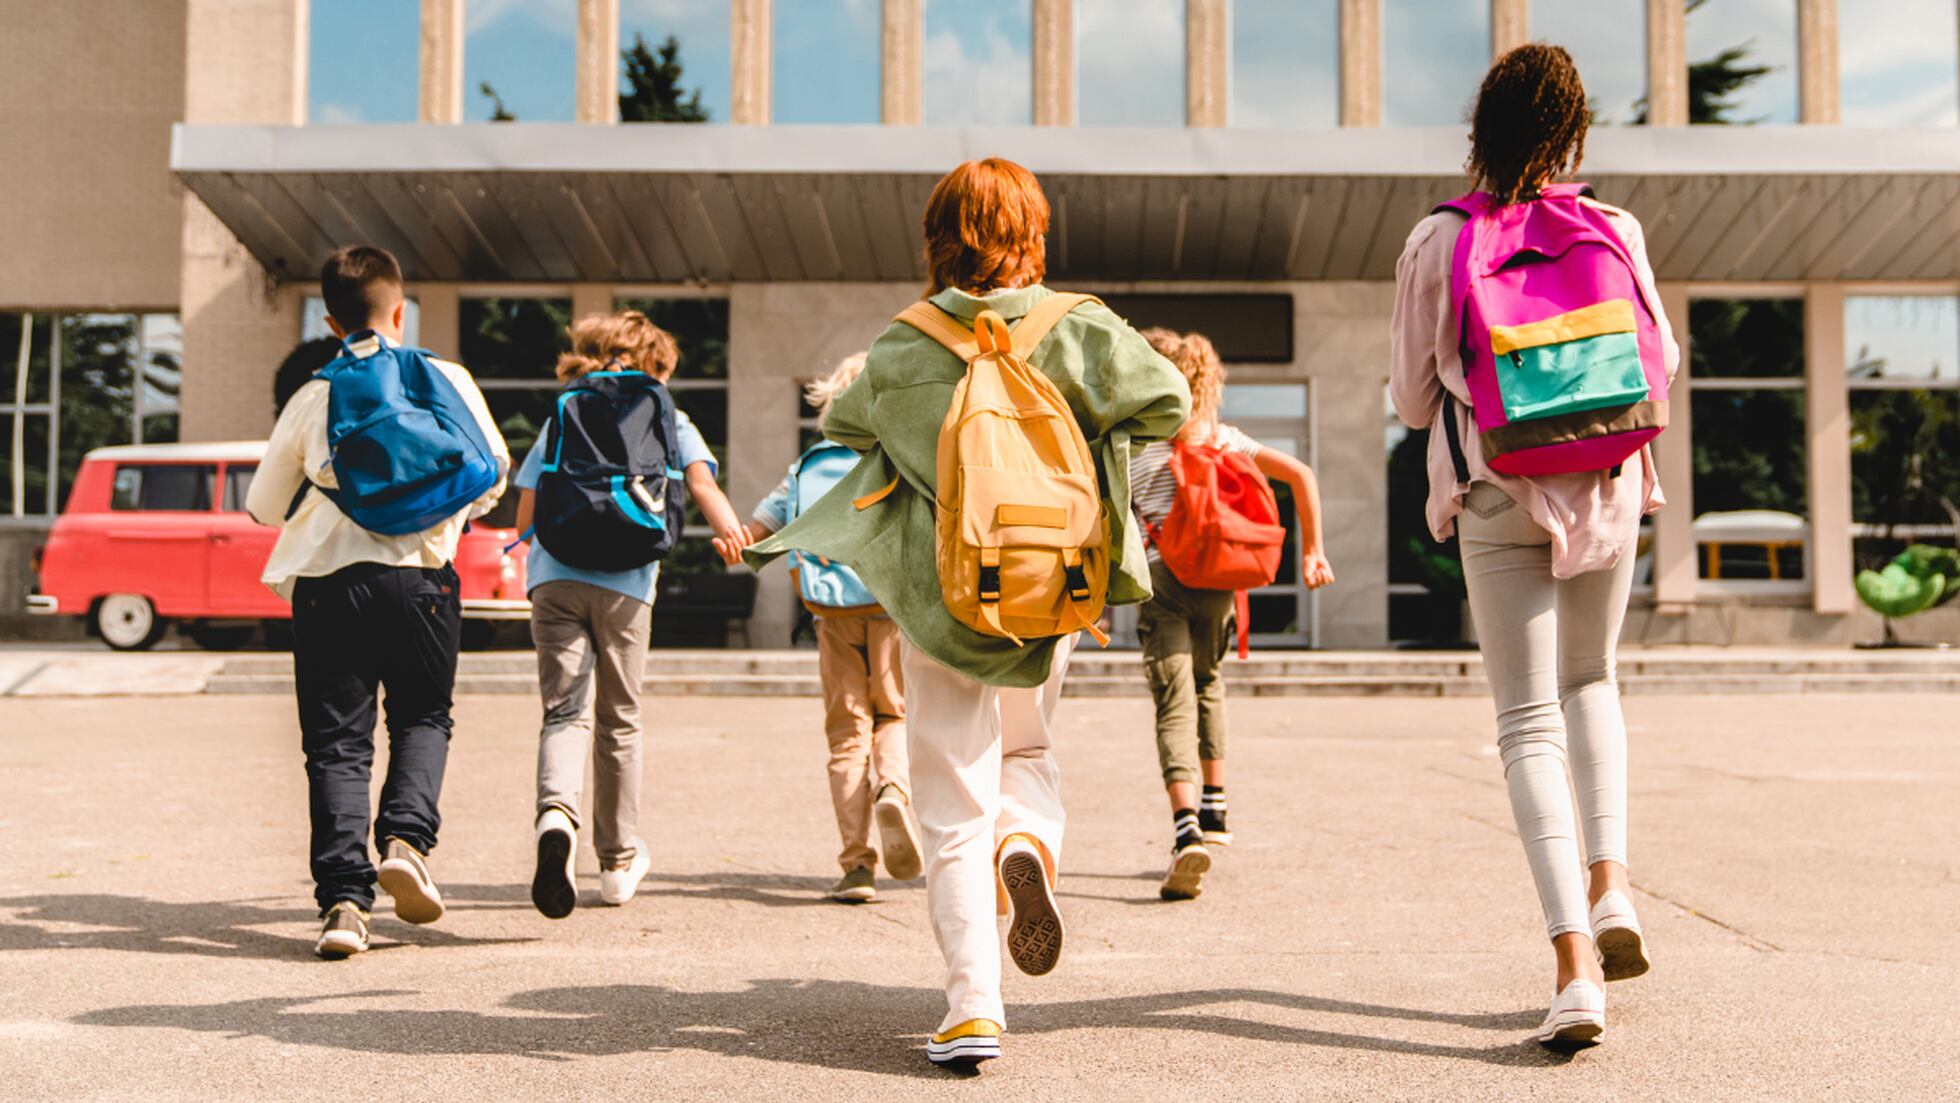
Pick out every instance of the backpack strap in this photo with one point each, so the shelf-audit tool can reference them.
(1448, 415)
(1469, 205)
(1035, 325)
(940, 326)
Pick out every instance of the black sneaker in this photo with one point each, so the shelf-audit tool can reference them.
(1211, 817)
(344, 933)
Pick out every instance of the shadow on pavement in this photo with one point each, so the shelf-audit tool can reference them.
(770, 890)
(222, 928)
(846, 1025)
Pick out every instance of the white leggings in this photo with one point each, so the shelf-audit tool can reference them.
(1548, 648)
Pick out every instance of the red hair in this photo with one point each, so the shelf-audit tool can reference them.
(984, 228)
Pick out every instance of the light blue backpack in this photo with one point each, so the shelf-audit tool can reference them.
(828, 590)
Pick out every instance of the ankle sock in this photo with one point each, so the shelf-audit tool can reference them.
(1185, 828)
(1211, 809)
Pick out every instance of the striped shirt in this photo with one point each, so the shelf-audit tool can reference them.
(1153, 488)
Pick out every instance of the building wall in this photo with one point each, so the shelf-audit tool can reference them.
(88, 92)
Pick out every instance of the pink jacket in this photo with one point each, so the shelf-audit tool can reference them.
(1593, 520)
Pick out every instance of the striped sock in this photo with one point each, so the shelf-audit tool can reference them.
(1185, 828)
(1211, 810)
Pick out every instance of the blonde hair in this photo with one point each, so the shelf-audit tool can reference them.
(625, 340)
(1203, 371)
(820, 393)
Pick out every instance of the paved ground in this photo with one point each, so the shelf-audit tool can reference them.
(1374, 934)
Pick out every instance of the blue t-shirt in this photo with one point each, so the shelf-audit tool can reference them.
(638, 584)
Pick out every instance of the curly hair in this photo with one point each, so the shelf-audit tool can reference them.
(1203, 370)
(1529, 124)
(625, 339)
(820, 393)
(985, 227)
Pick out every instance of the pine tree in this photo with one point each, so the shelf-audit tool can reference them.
(654, 79)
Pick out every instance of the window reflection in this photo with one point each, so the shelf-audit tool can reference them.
(1434, 53)
(1286, 63)
(363, 57)
(1742, 61)
(979, 63)
(1897, 62)
(826, 54)
(1129, 62)
(519, 60)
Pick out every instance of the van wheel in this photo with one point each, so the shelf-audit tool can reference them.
(229, 637)
(128, 622)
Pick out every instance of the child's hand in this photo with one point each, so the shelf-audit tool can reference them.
(730, 553)
(1315, 571)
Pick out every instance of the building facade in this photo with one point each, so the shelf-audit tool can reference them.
(173, 197)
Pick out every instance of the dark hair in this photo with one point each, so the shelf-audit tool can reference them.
(1530, 122)
(360, 283)
(299, 365)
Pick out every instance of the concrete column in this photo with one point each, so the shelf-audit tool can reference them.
(1827, 406)
(1207, 62)
(1349, 324)
(1667, 63)
(1817, 62)
(1054, 61)
(1361, 63)
(1510, 26)
(902, 55)
(749, 62)
(244, 63)
(442, 61)
(598, 61)
(441, 308)
(1675, 566)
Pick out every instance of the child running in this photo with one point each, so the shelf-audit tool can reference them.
(1548, 558)
(371, 611)
(857, 658)
(590, 624)
(1185, 631)
(980, 705)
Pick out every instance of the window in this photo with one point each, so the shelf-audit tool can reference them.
(700, 386)
(979, 62)
(1434, 53)
(1245, 328)
(511, 346)
(1129, 62)
(1897, 63)
(161, 487)
(1750, 456)
(519, 61)
(363, 62)
(699, 33)
(1903, 357)
(1286, 63)
(313, 320)
(1275, 415)
(90, 380)
(826, 54)
(238, 480)
(1606, 38)
(1742, 61)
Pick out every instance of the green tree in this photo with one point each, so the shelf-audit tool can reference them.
(653, 78)
(1713, 84)
(498, 112)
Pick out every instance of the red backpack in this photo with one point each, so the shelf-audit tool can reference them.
(1223, 531)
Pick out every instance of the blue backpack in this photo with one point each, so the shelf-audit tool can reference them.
(832, 589)
(611, 495)
(406, 449)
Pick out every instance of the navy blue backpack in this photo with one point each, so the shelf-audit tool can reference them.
(611, 496)
(407, 451)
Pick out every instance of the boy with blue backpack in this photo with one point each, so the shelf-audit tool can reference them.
(372, 472)
(602, 495)
(857, 658)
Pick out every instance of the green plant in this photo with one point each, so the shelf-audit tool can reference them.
(1919, 578)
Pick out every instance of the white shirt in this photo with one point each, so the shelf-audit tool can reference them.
(319, 539)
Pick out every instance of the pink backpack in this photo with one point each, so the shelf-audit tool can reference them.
(1561, 349)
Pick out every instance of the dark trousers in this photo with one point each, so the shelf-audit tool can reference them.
(361, 628)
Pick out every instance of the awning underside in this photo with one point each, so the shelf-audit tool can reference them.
(520, 203)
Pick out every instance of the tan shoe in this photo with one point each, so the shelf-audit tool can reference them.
(345, 932)
(898, 840)
(404, 875)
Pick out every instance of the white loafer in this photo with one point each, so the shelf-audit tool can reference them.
(1577, 1017)
(1616, 937)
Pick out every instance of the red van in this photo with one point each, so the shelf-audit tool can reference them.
(155, 533)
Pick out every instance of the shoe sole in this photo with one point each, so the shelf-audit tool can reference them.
(416, 899)
(338, 946)
(1218, 838)
(1575, 1032)
(1034, 938)
(962, 1052)
(1185, 880)
(898, 841)
(552, 892)
(854, 896)
(1622, 953)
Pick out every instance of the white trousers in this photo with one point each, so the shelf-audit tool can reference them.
(1548, 647)
(981, 771)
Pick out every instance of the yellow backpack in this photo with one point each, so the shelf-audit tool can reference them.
(1023, 546)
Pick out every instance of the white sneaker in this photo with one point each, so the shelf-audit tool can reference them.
(1577, 1017)
(1617, 939)
(554, 888)
(617, 886)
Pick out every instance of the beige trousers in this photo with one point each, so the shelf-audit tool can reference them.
(981, 771)
(592, 655)
(864, 720)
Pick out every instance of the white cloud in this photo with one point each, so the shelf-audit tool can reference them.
(1897, 61)
(480, 14)
(337, 113)
(983, 79)
(1130, 62)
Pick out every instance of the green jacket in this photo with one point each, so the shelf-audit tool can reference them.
(1122, 394)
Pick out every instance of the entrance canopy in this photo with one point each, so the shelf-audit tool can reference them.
(647, 203)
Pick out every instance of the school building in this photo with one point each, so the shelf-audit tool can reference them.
(1248, 168)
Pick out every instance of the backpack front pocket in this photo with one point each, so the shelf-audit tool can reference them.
(1585, 359)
